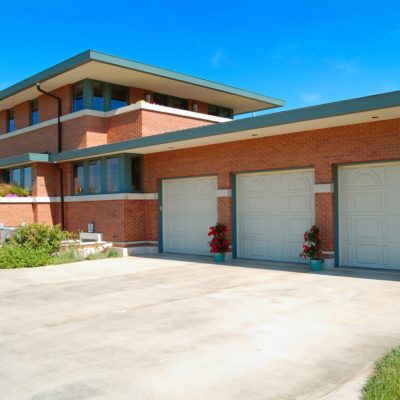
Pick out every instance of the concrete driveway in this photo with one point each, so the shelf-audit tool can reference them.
(159, 328)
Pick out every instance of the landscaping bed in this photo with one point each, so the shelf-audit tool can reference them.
(36, 245)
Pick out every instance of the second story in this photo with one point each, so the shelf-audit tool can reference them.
(102, 99)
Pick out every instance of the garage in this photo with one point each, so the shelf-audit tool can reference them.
(274, 209)
(189, 209)
(369, 216)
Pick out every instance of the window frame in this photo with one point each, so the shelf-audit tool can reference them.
(10, 112)
(125, 175)
(32, 110)
(21, 181)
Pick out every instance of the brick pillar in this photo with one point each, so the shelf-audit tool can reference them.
(324, 215)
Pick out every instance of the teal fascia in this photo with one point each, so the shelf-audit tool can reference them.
(340, 108)
(26, 158)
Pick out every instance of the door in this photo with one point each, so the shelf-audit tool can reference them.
(189, 209)
(274, 209)
(369, 216)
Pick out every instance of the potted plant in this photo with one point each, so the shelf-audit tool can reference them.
(219, 244)
(312, 248)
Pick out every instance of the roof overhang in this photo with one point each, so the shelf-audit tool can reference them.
(99, 66)
(22, 159)
(349, 112)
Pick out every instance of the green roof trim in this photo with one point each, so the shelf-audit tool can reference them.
(91, 55)
(340, 108)
(24, 159)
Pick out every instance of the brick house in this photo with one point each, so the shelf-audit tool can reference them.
(152, 158)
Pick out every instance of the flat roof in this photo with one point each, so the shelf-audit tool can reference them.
(95, 65)
(348, 112)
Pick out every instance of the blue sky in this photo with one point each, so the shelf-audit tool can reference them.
(305, 52)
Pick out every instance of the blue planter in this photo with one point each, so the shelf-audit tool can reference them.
(219, 257)
(316, 265)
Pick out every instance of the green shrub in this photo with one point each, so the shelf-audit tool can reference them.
(38, 237)
(21, 256)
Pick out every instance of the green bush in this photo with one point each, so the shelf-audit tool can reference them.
(21, 256)
(38, 237)
(99, 256)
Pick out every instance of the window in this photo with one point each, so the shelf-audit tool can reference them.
(10, 121)
(79, 178)
(170, 101)
(27, 178)
(112, 175)
(220, 111)
(34, 112)
(77, 97)
(98, 96)
(16, 176)
(94, 176)
(136, 169)
(119, 97)
(116, 174)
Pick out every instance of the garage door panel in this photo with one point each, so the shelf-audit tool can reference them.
(189, 209)
(271, 222)
(369, 216)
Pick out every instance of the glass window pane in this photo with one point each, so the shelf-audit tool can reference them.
(78, 97)
(177, 102)
(28, 178)
(160, 99)
(136, 175)
(112, 176)
(79, 176)
(6, 176)
(98, 98)
(16, 176)
(34, 112)
(10, 121)
(119, 97)
(94, 177)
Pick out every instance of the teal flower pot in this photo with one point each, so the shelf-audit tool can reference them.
(219, 257)
(316, 265)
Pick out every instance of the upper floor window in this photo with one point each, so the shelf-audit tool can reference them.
(98, 96)
(119, 97)
(15, 178)
(170, 101)
(34, 112)
(10, 121)
(77, 102)
(220, 111)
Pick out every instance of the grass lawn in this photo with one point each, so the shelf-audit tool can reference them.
(384, 384)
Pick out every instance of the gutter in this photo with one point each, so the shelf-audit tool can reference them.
(59, 149)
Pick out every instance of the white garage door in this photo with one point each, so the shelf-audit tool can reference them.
(273, 212)
(369, 216)
(189, 209)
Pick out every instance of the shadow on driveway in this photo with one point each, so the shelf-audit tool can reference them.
(361, 273)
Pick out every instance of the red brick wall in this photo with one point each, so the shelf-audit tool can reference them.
(15, 214)
(22, 114)
(3, 122)
(48, 106)
(156, 123)
(124, 126)
(117, 220)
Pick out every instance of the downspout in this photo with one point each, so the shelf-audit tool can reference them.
(59, 149)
